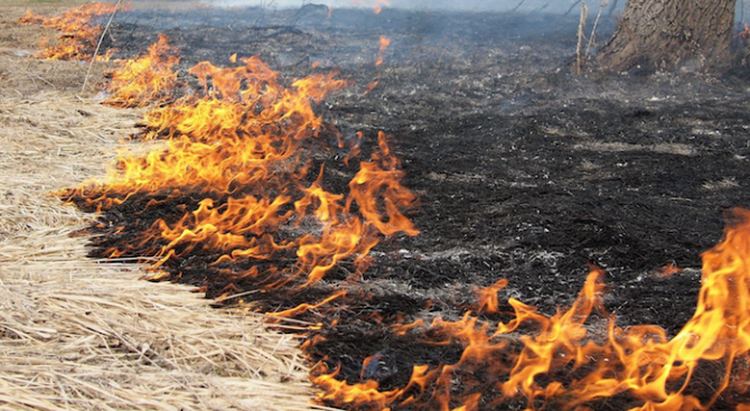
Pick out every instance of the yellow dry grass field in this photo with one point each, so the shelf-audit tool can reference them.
(79, 335)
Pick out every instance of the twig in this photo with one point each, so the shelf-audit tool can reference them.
(518, 6)
(572, 6)
(99, 45)
(540, 9)
(581, 28)
(602, 5)
(34, 76)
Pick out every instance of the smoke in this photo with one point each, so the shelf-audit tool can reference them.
(550, 6)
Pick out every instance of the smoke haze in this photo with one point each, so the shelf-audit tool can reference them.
(552, 6)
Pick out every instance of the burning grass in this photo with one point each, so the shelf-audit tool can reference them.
(565, 361)
(245, 149)
(147, 80)
(79, 32)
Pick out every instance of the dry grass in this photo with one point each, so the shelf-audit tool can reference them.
(75, 334)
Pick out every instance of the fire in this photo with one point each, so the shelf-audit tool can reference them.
(377, 5)
(217, 143)
(306, 307)
(384, 43)
(488, 301)
(147, 80)
(668, 270)
(236, 163)
(580, 356)
(244, 146)
(79, 33)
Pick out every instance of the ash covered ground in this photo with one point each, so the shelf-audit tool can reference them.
(524, 170)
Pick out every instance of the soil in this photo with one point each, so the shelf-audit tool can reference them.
(524, 170)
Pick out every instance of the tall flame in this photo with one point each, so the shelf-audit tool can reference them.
(580, 357)
(79, 33)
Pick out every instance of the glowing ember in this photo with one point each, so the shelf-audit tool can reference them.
(147, 80)
(79, 33)
(567, 364)
(669, 269)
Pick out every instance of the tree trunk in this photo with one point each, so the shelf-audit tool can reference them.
(671, 34)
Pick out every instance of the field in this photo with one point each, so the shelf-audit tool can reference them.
(523, 169)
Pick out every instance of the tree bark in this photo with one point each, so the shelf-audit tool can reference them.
(692, 35)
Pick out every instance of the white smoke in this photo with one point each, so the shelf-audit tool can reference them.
(550, 6)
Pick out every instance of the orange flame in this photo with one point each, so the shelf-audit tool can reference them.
(377, 5)
(595, 362)
(668, 270)
(241, 147)
(147, 80)
(306, 307)
(215, 143)
(371, 87)
(78, 33)
(384, 43)
(488, 301)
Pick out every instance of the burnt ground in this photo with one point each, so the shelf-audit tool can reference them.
(524, 170)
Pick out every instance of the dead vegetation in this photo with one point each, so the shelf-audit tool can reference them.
(75, 334)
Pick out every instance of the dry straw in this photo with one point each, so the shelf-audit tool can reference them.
(75, 334)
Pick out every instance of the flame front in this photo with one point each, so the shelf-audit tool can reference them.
(221, 143)
(579, 358)
(79, 33)
(244, 145)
